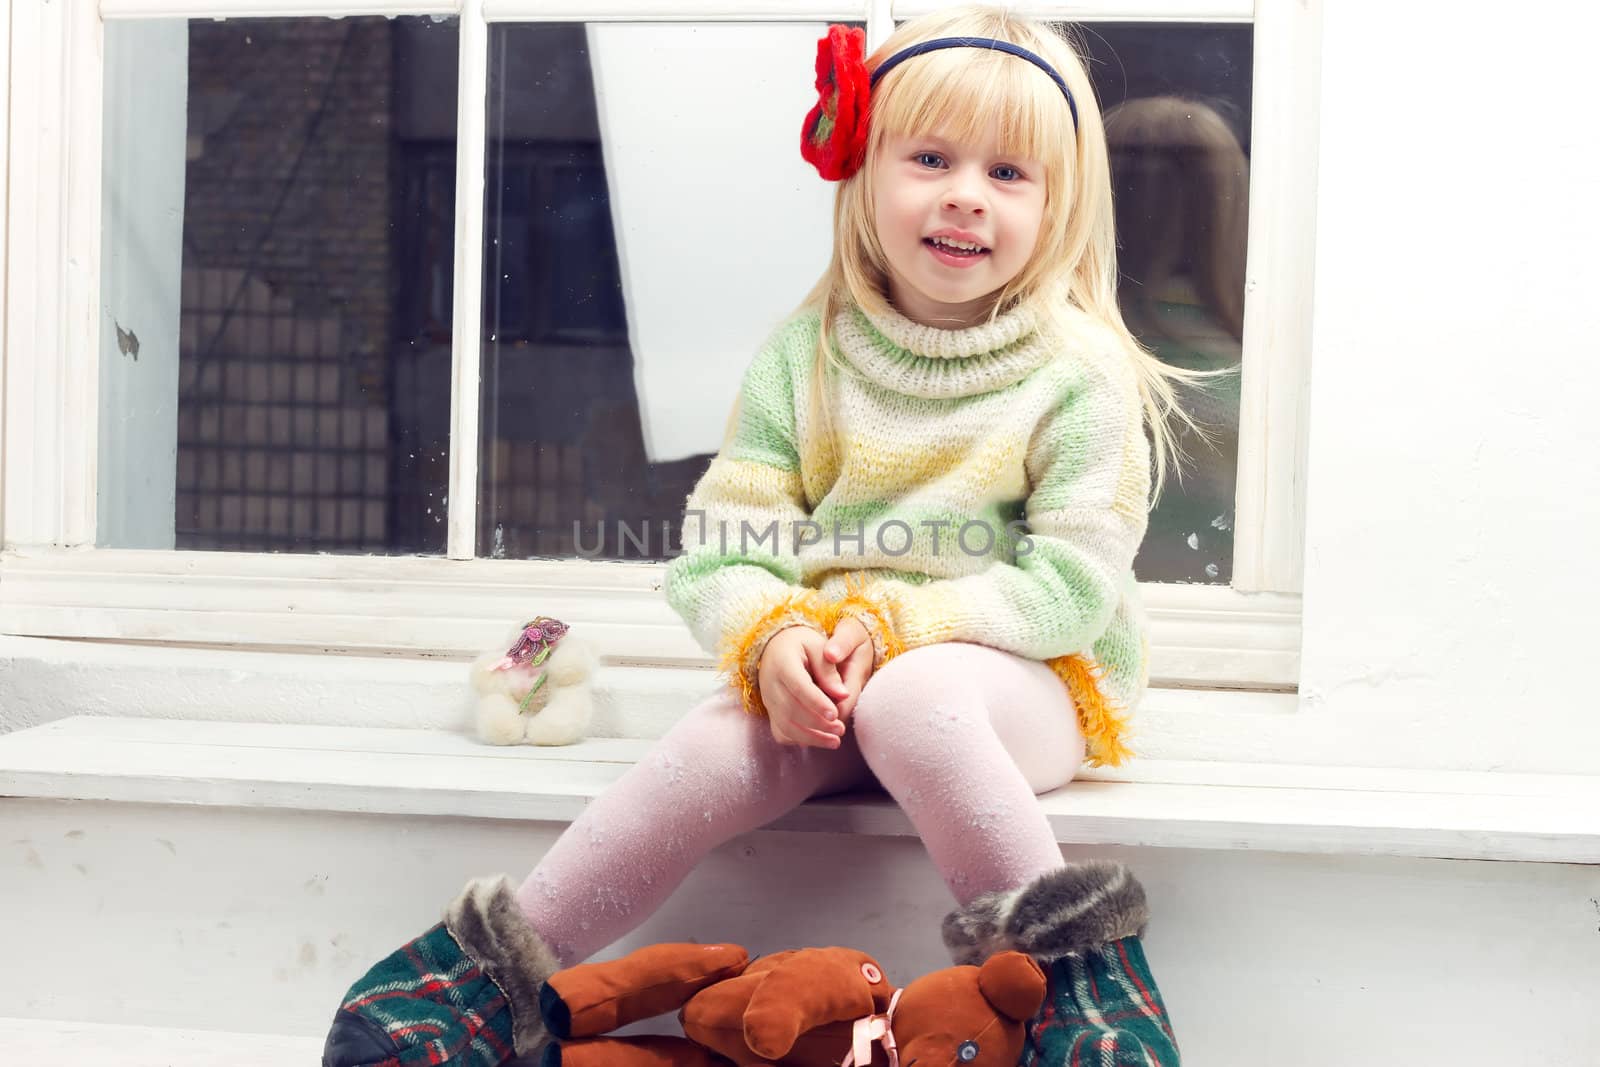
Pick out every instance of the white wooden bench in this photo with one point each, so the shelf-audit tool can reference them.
(1164, 804)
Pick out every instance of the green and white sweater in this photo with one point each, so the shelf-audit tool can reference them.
(986, 485)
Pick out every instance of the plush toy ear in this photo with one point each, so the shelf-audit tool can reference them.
(1013, 983)
(815, 986)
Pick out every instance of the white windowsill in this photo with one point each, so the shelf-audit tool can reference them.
(1165, 804)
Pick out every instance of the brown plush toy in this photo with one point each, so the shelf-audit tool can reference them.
(813, 1007)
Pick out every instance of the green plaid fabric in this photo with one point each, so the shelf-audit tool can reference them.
(1103, 1010)
(435, 1004)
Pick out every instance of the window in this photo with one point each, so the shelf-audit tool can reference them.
(297, 382)
(277, 238)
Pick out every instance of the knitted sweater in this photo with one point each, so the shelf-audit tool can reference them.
(986, 485)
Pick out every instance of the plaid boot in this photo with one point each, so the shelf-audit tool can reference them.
(463, 994)
(1083, 924)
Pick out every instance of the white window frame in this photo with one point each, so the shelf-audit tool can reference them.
(55, 583)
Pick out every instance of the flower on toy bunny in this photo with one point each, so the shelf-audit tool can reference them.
(834, 137)
(532, 648)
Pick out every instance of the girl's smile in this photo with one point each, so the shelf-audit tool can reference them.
(957, 248)
(956, 221)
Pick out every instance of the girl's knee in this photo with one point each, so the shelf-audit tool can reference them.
(913, 686)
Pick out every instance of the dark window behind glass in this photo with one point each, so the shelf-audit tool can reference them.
(1177, 105)
(316, 239)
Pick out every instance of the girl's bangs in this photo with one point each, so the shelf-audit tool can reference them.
(967, 95)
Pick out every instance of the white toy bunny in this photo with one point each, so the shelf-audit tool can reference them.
(537, 691)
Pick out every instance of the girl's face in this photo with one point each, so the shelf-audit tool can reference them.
(956, 221)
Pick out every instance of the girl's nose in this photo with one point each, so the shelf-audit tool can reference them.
(965, 192)
(964, 196)
(966, 204)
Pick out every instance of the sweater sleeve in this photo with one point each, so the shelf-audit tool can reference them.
(1088, 468)
(737, 581)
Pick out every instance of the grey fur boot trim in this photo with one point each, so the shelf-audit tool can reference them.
(1060, 913)
(489, 926)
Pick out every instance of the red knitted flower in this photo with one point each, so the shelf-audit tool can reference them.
(834, 137)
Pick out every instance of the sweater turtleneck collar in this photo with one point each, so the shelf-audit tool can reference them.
(926, 361)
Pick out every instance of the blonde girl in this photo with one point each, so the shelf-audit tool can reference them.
(913, 558)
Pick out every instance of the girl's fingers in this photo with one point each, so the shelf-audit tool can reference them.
(810, 701)
(826, 675)
(856, 671)
(845, 640)
(807, 721)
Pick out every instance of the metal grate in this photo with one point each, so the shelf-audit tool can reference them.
(277, 450)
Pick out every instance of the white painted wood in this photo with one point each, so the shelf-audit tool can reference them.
(5, 201)
(466, 349)
(1217, 806)
(46, 680)
(1269, 531)
(165, 9)
(674, 11)
(49, 1041)
(1200, 635)
(1109, 10)
(79, 358)
(34, 482)
(147, 110)
(241, 918)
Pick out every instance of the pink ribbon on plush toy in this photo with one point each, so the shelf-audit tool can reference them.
(874, 1028)
(534, 643)
(533, 647)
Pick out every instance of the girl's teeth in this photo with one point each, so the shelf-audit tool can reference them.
(955, 246)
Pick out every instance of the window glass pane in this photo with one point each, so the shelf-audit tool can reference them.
(617, 321)
(646, 229)
(1177, 104)
(277, 233)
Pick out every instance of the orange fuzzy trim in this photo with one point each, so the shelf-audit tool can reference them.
(858, 601)
(1102, 721)
(735, 659)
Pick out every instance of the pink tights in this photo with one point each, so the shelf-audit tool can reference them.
(961, 736)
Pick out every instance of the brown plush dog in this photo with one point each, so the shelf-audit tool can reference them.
(813, 1007)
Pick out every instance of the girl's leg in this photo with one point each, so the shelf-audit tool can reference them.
(963, 737)
(467, 992)
(716, 774)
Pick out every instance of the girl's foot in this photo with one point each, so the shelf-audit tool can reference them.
(465, 993)
(1083, 923)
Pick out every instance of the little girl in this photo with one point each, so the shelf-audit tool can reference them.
(913, 555)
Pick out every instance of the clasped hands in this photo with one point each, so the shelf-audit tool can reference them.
(810, 682)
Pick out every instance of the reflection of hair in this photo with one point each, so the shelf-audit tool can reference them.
(1182, 192)
(963, 93)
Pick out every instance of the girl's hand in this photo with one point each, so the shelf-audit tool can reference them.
(792, 676)
(850, 652)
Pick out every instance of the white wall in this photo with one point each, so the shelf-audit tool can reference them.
(1287, 961)
(1451, 568)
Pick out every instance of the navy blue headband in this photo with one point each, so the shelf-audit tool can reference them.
(978, 42)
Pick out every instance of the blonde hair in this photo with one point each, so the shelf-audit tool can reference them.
(963, 94)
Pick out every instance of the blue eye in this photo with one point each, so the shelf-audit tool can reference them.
(924, 157)
(1005, 169)
(967, 1052)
